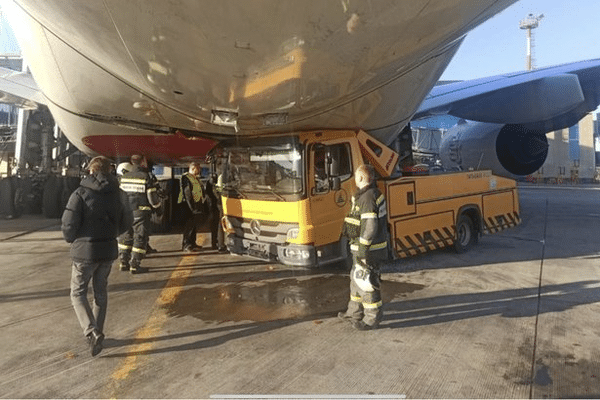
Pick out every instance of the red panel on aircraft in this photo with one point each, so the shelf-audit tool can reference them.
(166, 149)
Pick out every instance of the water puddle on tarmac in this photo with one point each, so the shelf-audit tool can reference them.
(291, 298)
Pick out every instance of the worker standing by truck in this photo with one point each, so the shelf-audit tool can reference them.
(142, 195)
(192, 192)
(366, 228)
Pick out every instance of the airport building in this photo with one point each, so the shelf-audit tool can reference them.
(10, 57)
(572, 154)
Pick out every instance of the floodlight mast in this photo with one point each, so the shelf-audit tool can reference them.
(530, 23)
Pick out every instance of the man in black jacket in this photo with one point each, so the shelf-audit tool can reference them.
(96, 213)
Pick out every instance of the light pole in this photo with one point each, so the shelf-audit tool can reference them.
(529, 23)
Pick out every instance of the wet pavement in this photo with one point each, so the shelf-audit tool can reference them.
(267, 300)
(515, 317)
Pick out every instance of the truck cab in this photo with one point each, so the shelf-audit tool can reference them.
(285, 198)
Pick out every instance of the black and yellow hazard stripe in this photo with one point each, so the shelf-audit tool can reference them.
(501, 222)
(418, 243)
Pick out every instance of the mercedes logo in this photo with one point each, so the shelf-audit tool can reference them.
(255, 227)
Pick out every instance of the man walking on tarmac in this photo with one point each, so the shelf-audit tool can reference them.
(192, 192)
(96, 213)
(143, 196)
(366, 228)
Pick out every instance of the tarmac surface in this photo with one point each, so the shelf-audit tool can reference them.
(515, 317)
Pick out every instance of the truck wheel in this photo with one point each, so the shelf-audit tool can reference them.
(466, 236)
(345, 264)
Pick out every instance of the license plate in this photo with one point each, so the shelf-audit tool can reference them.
(259, 250)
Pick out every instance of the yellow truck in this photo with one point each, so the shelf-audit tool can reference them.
(285, 199)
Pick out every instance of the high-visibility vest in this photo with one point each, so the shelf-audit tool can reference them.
(197, 193)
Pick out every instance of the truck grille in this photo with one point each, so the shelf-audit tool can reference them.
(268, 231)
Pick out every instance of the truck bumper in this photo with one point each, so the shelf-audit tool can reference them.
(288, 254)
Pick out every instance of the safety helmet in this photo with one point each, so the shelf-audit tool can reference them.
(124, 168)
(364, 279)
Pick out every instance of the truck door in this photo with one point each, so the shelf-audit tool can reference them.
(331, 185)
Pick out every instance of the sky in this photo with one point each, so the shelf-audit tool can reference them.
(569, 31)
(8, 42)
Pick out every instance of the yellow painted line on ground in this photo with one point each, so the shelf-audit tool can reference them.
(158, 316)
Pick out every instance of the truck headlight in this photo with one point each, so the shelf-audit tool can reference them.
(297, 254)
(293, 233)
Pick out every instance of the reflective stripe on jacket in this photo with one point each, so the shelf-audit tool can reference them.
(141, 192)
(369, 215)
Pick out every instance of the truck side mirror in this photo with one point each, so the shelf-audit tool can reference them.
(333, 163)
(335, 183)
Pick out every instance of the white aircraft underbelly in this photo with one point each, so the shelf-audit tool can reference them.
(232, 67)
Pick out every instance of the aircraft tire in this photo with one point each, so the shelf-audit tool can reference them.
(19, 196)
(51, 203)
(69, 184)
(12, 198)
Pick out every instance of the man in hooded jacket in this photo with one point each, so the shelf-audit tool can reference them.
(96, 214)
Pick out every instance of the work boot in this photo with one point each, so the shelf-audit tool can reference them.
(343, 316)
(192, 249)
(361, 326)
(137, 269)
(124, 266)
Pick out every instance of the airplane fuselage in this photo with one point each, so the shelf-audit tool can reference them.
(169, 78)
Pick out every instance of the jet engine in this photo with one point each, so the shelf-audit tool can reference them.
(509, 150)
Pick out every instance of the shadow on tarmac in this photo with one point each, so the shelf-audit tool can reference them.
(514, 303)
(225, 334)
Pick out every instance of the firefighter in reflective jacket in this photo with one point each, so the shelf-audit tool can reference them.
(366, 228)
(142, 196)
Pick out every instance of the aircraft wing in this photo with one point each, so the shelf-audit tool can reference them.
(505, 118)
(19, 89)
(547, 98)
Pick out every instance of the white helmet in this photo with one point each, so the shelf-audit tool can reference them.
(362, 278)
(124, 168)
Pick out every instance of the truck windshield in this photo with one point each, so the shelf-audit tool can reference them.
(273, 171)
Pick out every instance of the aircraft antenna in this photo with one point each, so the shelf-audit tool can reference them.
(529, 24)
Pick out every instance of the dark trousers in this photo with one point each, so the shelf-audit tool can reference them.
(217, 236)
(190, 229)
(134, 242)
(82, 273)
(365, 306)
